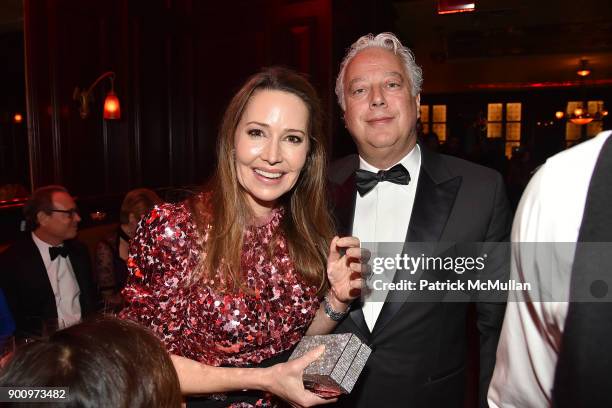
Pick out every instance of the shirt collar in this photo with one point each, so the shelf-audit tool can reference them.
(42, 245)
(411, 161)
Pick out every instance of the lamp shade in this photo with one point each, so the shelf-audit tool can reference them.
(112, 109)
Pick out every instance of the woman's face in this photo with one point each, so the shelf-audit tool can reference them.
(271, 145)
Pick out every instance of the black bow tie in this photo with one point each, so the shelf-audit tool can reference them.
(366, 180)
(58, 251)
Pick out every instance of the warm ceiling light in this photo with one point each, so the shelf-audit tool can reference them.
(583, 70)
(581, 121)
(112, 108)
(580, 117)
(17, 118)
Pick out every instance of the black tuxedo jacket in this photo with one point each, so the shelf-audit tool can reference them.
(29, 294)
(419, 348)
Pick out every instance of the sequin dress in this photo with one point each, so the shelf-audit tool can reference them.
(200, 323)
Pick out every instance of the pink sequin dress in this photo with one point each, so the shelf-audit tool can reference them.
(200, 323)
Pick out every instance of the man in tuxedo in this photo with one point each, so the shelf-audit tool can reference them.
(46, 274)
(396, 190)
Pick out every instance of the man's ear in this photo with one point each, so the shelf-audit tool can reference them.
(418, 105)
(42, 218)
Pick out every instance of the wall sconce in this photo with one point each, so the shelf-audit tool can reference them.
(112, 109)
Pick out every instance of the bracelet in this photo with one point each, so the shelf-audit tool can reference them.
(333, 314)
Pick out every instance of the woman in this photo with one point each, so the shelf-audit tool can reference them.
(112, 252)
(234, 276)
(104, 363)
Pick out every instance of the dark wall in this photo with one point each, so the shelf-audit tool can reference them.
(177, 65)
(13, 136)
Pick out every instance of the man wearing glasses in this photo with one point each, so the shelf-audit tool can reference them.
(46, 274)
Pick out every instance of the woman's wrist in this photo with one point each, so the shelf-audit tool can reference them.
(265, 378)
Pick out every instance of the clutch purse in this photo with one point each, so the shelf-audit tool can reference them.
(338, 369)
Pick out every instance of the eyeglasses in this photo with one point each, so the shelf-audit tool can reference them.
(72, 212)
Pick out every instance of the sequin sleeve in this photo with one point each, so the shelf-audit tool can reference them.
(158, 264)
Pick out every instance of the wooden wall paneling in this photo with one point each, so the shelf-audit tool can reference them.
(169, 62)
(135, 41)
(52, 46)
(182, 75)
(30, 25)
(13, 136)
(37, 89)
(189, 117)
(154, 96)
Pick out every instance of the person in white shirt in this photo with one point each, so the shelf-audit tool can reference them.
(400, 192)
(550, 212)
(46, 274)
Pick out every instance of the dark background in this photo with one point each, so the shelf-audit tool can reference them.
(179, 61)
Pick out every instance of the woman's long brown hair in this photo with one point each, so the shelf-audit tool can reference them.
(307, 225)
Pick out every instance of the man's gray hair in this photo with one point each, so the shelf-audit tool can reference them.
(387, 41)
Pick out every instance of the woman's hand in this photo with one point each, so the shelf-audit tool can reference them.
(285, 381)
(345, 271)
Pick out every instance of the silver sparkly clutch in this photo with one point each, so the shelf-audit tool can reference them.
(337, 370)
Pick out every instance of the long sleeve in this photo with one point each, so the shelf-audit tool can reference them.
(158, 262)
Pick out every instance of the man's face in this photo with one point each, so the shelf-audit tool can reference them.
(60, 225)
(381, 114)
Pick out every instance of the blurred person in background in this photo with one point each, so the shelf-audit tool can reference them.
(112, 252)
(46, 274)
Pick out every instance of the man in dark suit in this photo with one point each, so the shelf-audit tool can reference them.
(46, 274)
(398, 191)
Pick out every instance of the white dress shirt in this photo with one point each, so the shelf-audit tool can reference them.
(383, 214)
(550, 210)
(64, 284)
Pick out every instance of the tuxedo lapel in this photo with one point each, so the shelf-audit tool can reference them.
(34, 267)
(345, 206)
(36, 279)
(436, 191)
(345, 216)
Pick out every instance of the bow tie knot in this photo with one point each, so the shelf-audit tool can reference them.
(54, 252)
(367, 180)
